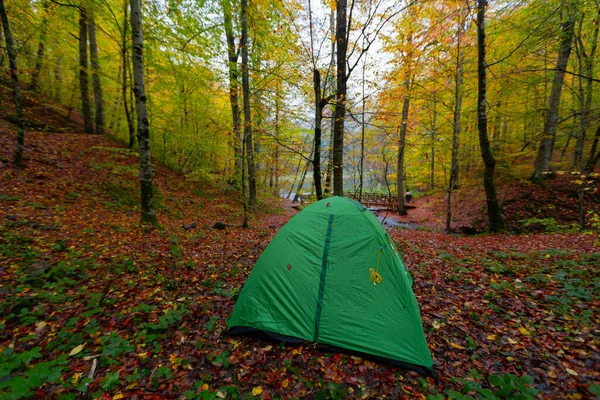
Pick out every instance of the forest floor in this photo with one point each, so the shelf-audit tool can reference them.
(93, 302)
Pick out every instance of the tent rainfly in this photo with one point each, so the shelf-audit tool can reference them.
(333, 276)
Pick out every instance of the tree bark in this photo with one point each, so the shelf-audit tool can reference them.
(232, 57)
(585, 115)
(83, 73)
(148, 213)
(496, 221)
(33, 85)
(318, 120)
(340, 105)
(458, 81)
(12, 60)
(248, 140)
(543, 158)
(329, 171)
(401, 148)
(125, 67)
(433, 138)
(96, 77)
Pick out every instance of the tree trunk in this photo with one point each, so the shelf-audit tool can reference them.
(125, 67)
(493, 206)
(248, 140)
(585, 115)
(148, 213)
(401, 147)
(543, 158)
(318, 120)
(594, 157)
(83, 73)
(12, 60)
(362, 134)
(232, 57)
(329, 171)
(458, 80)
(433, 134)
(340, 104)
(96, 77)
(58, 79)
(33, 85)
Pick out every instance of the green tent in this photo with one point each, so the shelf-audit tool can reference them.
(333, 276)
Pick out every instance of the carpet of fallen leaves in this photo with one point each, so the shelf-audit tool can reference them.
(93, 302)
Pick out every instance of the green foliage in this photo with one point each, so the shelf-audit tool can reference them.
(111, 381)
(171, 318)
(507, 386)
(19, 377)
(550, 225)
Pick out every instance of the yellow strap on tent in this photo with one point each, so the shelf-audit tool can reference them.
(375, 277)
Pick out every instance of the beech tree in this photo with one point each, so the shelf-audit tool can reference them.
(83, 72)
(543, 158)
(14, 78)
(496, 222)
(96, 76)
(148, 213)
(248, 139)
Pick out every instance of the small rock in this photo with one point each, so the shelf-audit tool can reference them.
(193, 225)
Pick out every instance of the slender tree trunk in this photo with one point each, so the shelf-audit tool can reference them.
(433, 138)
(58, 78)
(318, 119)
(12, 60)
(125, 67)
(458, 80)
(362, 134)
(2, 55)
(148, 213)
(96, 77)
(340, 105)
(248, 140)
(401, 148)
(232, 57)
(594, 157)
(543, 158)
(329, 171)
(302, 179)
(83, 73)
(276, 155)
(493, 206)
(33, 85)
(585, 117)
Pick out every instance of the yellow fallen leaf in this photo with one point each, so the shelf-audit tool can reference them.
(39, 327)
(491, 337)
(512, 341)
(221, 395)
(436, 325)
(75, 377)
(552, 374)
(571, 372)
(269, 347)
(524, 331)
(204, 386)
(257, 391)
(285, 384)
(295, 352)
(143, 355)
(456, 346)
(547, 255)
(117, 396)
(77, 350)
